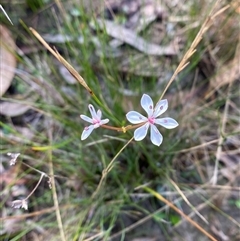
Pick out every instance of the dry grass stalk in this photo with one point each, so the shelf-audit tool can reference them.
(54, 190)
(184, 62)
(187, 202)
(69, 67)
(160, 197)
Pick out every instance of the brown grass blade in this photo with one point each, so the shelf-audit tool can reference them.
(160, 197)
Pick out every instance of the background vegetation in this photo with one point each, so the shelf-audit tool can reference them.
(197, 166)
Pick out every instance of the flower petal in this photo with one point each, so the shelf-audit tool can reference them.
(93, 112)
(160, 107)
(147, 104)
(103, 122)
(20, 204)
(167, 122)
(99, 114)
(135, 118)
(86, 118)
(141, 132)
(155, 136)
(86, 132)
(99, 123)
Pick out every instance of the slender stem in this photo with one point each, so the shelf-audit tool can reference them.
(1, 7)
(123, 128)
(112, 128)
(221, 138)
(29, 195)
(42, 173)
(54, 190)
(108, 168)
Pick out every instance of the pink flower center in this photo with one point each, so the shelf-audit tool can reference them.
(151, 120)
(95, 121)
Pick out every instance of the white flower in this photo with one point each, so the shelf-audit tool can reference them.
(136, 118)
(14, 157)
(20, 204)
(95, 121)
